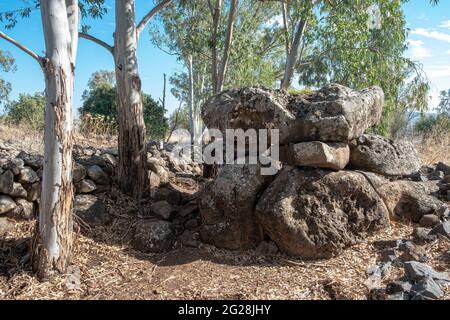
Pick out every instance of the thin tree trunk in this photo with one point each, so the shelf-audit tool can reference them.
(226, 50)
(293, 54)
(132, 175)
(191, 98)
(53, 240)
(214, 63)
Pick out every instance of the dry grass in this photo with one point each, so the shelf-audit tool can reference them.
(434, 148)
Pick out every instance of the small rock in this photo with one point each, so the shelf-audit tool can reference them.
(153, 236)
(5, 226)
(386, 269)
(447, 178)
(388, 255)
(443, 228)
(86, 186)
(33, 191)
(429, 221)
(162, 210)
(443, 167)
(27, 175)
(78, 173)
(416, 271)
(397, 296)
(267, 248)
(18, 191)
(374, 270)
(437, 175)
(414, 253)
(91, 210)
(422, 236)
(7, 182)
(169, 195)
(27, 209)
(443, 212)
(426, 289)
(6, 204)
(111, 151)
(110, 159)
(35, 161)
(188, 209)
(15, 165)
(398, 286)
(98, 175)
(190, 239)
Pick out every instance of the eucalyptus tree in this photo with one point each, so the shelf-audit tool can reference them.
(132, 174)
(52, 244)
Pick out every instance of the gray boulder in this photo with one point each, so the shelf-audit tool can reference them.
(6, 204)
(227, 207)
(86, 186)
(316, 154)
(90, 210)
(442, 228)
(27, 209)
(153, 236)
(163, 210)
(316, 213)
(6, 182)
(18, 191)
(426, 289)
(98, 175)
(78, 173)
(416, 271)
(334, 113)
(27, 175)
(33, 191)
(5, 226)
(384, 156)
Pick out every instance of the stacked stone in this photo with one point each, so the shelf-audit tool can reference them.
(326, 197)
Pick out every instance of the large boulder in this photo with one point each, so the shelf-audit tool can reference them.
(316, 154)
(6, 182)
(334, 113)
(90, 210)
(227, 207)
(384, 156)
(316, 213)
(409, 200)
(6, 204)
(153, 236)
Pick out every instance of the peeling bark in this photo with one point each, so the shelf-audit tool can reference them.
(132, 152)
(53, 240)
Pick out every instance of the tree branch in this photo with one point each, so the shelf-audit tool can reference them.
(38, 58)
(141, 25)
(97, 41)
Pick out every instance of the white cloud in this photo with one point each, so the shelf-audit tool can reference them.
(418, 51)
(432, 34)
(447, 52)
(437, 72)
(445, 24)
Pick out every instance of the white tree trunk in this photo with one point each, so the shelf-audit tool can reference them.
(191, 98)
(53, 240)
(293, 55)
(132, 173)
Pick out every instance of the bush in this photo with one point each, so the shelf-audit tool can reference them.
(28, 110)
(100, 109)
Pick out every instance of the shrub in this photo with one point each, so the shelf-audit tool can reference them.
(28, 110)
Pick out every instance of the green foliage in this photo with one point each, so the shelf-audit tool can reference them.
(99, 103)
(6, 65)
(440, 122)
(28, 110)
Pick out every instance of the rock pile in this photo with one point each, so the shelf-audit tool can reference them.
(337, 184)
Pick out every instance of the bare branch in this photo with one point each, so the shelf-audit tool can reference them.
(31, 53)
(97, 41)
(141, 25)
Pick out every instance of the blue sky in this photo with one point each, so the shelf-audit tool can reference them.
(429, 43)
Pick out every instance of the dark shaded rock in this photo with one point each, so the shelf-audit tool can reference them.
(33, 191)
(267, 248)
(153, 236)
(429, 221)
(409, 200)
(162, 210)
(332, 114)
(33, 160)
(109, 159)
(227, 207)
(422, 236)
(437, 175)
(98, 175)
(18, 191)
(191, 224)
(388, 255)
(384, 156)
(168, 194)
(86, 186)
(416, 271)
(398, 286)
(6, 204)
(445, 168)
(414, 253)
(316, 213)
(27, 210)
(442, 228)
(443, 212)
(386, 244)
(91, 210)
(188, 209)
(78, 173)
(190, 239)
(426, 289)
(27, 175)
(6, 182)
